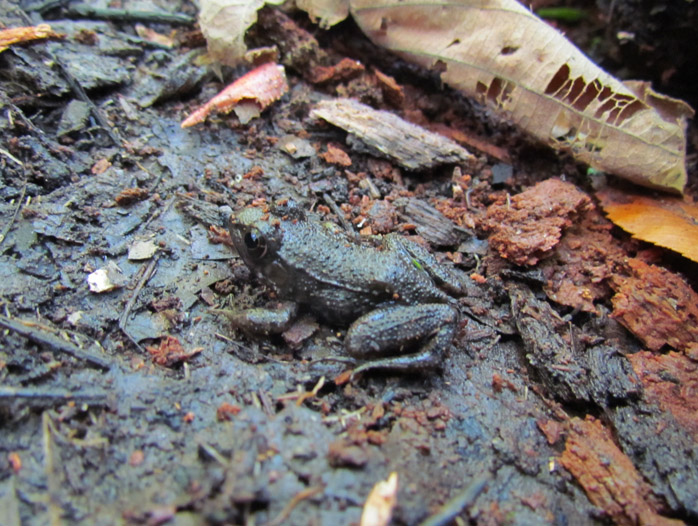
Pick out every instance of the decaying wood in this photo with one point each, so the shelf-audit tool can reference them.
(387, 135)
(431, 224)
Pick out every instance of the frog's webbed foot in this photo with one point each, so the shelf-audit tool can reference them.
(393, 328)
(261, 320)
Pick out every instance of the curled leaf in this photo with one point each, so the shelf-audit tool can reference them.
(254, 91)
(502, 54)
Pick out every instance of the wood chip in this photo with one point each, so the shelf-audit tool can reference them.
(387, 135)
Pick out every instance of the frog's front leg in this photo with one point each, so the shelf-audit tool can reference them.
(428, 328)
(260, 320)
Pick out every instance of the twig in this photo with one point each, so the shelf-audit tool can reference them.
(44, 139)
(11, 157)
(129, 306)
(51, 395)
(458, 503)
(340, 215)
(295, 501)
(39, 334)
(129, 15)
(80, 94)
(46, 5)
(11, 222)
(54, 508)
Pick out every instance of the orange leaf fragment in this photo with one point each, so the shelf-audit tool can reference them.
(261, 86)
(19, 35)
(669, 222)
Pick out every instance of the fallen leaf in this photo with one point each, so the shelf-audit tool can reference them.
(20, 35)
(500, 53)
(151, 35)
(142, 249)
(224, 24)
(261, 87)
(128, 196)
(326, 13)
(668, 222)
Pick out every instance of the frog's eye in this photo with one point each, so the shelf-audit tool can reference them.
(255, 243)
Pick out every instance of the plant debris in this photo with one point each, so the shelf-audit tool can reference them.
(389, 136)
(526, 227)
(608, 476)
(255, 91)
(657, 306)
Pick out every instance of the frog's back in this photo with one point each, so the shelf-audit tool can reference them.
(340, 278)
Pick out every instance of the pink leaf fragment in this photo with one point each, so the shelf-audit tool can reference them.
(262, 85)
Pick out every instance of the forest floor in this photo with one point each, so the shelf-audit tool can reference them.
(569, 394)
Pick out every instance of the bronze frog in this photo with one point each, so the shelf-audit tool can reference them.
(394, 297)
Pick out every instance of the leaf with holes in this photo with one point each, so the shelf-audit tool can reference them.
(502, 54)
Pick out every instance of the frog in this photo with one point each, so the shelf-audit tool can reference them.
(398, 302)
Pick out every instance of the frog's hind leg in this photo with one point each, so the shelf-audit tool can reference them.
(428, 328)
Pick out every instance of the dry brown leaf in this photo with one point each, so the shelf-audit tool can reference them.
(325, 12)
(224, 24)
(670, 222)
(20, 35)
(501, 53)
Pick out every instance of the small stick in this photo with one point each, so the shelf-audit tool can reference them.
(39, 334)
(51, 395)
(129, 15)
(141, 283)
(11, 222)
(340, 215)
(54, 509)
(297, 499)
(462, 500)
